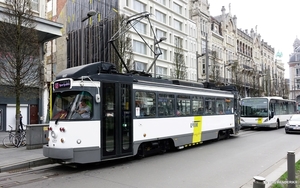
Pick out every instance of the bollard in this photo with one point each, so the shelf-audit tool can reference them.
(291, 169)
(259, 182)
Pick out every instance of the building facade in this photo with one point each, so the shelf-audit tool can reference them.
(294, 70)
(212, 46)
(35, 108)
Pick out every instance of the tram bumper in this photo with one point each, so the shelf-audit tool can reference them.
(58, 153)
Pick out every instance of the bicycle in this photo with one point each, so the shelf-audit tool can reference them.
(21, 138)
(10, 140)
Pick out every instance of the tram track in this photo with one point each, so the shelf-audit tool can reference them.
(25, 176)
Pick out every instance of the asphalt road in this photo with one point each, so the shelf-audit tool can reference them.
(228, 164)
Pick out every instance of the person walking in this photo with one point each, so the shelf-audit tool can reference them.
(21, 123)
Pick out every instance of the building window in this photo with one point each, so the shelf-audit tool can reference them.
(203, 66)
(139, 66)
(139, 47)
(177, 25)
(203, 46)
(140, 27)
(163, 54)
(160, 33)
(163, 2)
(35, 5)
(177, 8)
(161, 17)
(138, 6)
(161, 71)
(178, 42)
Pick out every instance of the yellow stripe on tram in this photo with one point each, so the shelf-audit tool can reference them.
(197, 129)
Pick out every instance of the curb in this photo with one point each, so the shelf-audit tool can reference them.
(26, 164)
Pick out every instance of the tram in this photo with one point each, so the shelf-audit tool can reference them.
(133, 114)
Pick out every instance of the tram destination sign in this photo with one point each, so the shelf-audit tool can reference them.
(62, 84)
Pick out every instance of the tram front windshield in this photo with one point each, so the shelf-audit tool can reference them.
(254, 108)
(67, 105)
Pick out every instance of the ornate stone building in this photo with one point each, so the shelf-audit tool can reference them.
(294, 69)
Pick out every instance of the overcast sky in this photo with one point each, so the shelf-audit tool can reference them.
(278, 22)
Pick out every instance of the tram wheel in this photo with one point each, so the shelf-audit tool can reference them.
(227, 136)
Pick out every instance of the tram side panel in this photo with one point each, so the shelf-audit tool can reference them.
(182, 130)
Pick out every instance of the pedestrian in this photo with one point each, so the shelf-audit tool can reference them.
(21, 123)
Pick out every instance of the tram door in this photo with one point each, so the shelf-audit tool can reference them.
(116, 137)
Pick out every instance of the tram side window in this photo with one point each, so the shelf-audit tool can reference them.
(197, 105)
(210, 106)
(220, 105)
(229, 106)
(145, 104)
(166, 105)
(183, 105)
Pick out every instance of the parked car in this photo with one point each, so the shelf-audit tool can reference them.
(293, 124)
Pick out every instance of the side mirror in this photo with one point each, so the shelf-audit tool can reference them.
(272, 114)
(97, 98)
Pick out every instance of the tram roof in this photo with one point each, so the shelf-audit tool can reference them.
(107, 71)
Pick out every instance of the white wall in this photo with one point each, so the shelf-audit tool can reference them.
(11, 115)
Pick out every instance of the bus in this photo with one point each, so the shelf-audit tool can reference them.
(270, 112)
(133, 114)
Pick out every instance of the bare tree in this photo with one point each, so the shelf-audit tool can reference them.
(179, 63)
(19, 62)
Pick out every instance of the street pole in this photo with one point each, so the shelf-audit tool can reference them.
(206, 59)
(224, 75)
(154, 41)
(197, 66)
(82, 43)
(89, 14)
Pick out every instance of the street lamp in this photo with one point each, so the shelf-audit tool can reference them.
(197, 63)
(89, 14)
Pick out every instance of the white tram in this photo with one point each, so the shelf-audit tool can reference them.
(133, 115)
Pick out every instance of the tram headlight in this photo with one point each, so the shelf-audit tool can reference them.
(53, 134)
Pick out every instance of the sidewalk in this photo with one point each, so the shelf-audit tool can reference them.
(273, 173)
(16, 158)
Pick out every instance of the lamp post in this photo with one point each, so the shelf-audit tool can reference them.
(197, 63)
(89, 14)
(206, 59)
